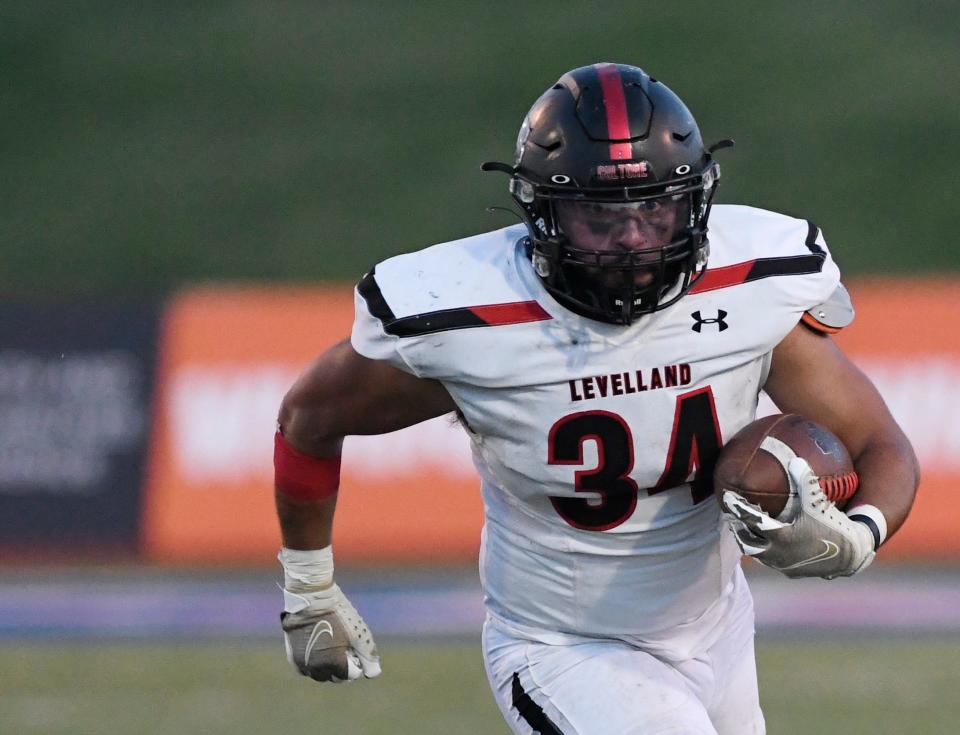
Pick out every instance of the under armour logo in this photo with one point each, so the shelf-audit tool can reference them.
(718, 320)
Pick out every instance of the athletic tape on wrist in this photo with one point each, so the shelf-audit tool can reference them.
(306, 569)
(301, 477)
(872, 517)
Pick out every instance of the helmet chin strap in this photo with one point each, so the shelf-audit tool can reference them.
(626, 309)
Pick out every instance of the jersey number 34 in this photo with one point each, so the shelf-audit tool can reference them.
(694, 446)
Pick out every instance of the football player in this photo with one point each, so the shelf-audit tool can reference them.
(598, 355)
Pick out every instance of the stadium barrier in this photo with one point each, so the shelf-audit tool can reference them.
(228, 355)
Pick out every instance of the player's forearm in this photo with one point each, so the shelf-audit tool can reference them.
(305, 525)
(889, 475)
(307, 479)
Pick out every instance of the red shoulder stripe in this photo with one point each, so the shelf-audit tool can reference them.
(728, 275)
(758, 268)
(514, 313)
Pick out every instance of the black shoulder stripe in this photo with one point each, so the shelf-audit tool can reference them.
(791, 265)
(369, 289)
(754, 270)
(434, 321)
(444, 320)
(531, 712)
(813, 232)
(418, 324)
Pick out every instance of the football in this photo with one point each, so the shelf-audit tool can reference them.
(754, 463)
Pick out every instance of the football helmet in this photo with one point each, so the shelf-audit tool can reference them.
(615, 185)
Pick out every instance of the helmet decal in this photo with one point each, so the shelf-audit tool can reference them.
(615, 104)
(623, 171)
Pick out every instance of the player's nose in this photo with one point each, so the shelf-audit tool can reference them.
(631, 235)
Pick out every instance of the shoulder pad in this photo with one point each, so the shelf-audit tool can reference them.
(833, 314)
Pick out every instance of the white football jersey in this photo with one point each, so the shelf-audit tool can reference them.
(595, 442)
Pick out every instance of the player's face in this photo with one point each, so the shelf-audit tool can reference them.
(623, 227)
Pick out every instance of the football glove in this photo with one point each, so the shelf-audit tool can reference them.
(820, 541)
(324, 636)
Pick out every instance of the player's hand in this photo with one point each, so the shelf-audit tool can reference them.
(820, 541)
(325, 637)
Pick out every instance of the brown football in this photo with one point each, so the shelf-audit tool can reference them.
(754, 472)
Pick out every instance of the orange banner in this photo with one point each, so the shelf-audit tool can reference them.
(228, 356)
(906, 337)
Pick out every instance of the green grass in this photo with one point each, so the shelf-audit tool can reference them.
(144, 145)
(865, 688)
(875, 687)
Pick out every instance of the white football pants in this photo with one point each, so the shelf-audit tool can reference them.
(608, 687)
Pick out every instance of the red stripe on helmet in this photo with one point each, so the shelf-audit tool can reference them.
(618, 122)
(515, 313)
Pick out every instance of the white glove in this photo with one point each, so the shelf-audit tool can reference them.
(324, 636)
(820, 541)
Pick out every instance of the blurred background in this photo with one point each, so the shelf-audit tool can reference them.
(190, 191)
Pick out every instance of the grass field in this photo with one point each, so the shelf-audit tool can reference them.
(149, 144)
(903, 686)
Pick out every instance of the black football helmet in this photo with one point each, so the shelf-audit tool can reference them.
(605, 145)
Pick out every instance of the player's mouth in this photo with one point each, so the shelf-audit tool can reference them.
(641, 278)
